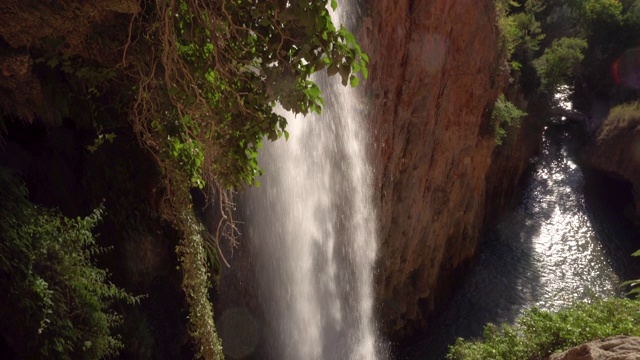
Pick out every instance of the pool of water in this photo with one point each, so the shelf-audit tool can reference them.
(567, 240)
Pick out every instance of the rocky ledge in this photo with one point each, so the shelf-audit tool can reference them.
(614, 348)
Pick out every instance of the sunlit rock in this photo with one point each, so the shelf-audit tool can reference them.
(614, 348)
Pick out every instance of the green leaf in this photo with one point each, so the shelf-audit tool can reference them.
(634, 291)
(313, 91)
(355, 67)
(631, 283)
(354, 81)
(365, 71)
(348, 36)
(637, 253)
(334, 5)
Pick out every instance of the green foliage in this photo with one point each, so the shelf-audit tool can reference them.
(59, 300)
(503, 7)
(226, 64)
(101, 139)
(599, 12)
(523, 34)
(623, 113)
(193, 257)
(535, 7)
(632, 15)
(609, 27)
(520, 31)
(504, 116)
(538, 333)
(595, 33)
(560, 63)
(506, 27)
(584, 14)
(634, 284)
(520, 37)
(528, 33)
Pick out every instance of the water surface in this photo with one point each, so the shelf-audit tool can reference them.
(566, 241)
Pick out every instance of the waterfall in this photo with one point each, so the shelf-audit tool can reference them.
(312, 232)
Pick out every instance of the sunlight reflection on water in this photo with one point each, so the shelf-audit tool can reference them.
(564, 242)
(567, 255)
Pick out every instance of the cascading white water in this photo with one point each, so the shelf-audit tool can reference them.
(312, 232)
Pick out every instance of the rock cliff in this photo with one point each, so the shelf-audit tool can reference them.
(435, 74)
(615, 149)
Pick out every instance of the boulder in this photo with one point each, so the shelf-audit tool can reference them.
(614, 348)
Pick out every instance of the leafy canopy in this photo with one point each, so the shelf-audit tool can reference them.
(205, 103)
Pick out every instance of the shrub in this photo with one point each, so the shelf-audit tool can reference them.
(58, 300)
(625, 112)
(560, 62)
(539, 333)
(504, 115)
(622, 118)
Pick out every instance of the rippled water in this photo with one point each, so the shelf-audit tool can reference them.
(567, 240)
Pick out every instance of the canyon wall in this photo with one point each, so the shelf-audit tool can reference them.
(435, 74)
(615, 149)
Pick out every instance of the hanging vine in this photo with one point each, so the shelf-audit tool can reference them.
(208, 75)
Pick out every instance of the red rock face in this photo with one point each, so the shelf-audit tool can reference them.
(434, 71)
